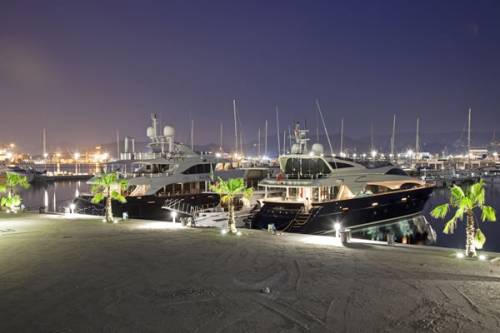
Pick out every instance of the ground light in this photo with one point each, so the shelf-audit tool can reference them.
(460, 255)
(174, 215)
(337, 227)
(223, 231)
(482, 257)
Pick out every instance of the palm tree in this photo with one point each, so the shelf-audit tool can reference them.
(230, 192)
(12, 182)
(466, 203)
(110, 187)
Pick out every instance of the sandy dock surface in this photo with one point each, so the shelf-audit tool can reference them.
(80, 275)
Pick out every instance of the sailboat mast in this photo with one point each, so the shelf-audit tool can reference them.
(372, 146)
(221, 136)
(235, 128)
(117, 144)
(258, 144)
(265, 139)
(393, 137)
(341, 136)
(468, 132)
(192, 134)
(284, 142)
(324, 127)
(44, 143)
(417, 138)
(278, 129)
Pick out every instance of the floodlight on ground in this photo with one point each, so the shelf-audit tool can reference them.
(460, 255)
(223, 231)
(174, 215)
(238, 233)
(482, 257)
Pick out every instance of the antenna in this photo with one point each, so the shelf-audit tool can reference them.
(278, 129)
(324, 127)
(235, 128)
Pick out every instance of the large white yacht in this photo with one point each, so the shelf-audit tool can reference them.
(171, 175)
(321, 195)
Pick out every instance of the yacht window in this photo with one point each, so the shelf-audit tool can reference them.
(198, 168)
(306, 166)
(339, 165)
(396, 171)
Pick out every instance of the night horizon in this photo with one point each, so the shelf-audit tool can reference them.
(85, 70)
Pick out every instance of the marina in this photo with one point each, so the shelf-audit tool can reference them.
(232, 166)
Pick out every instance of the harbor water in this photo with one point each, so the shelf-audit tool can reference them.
(58, 195)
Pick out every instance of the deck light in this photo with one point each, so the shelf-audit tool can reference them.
(460, 255)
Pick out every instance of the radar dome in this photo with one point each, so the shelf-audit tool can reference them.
(317, 149)
(168, 131)
(150, 132)
(295, 148)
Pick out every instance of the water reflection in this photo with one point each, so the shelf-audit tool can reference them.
(53, 196)
(408, 230)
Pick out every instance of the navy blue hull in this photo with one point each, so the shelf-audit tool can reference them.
(145, 207)
(350, 213)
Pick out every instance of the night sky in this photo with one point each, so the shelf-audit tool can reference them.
(83, 69)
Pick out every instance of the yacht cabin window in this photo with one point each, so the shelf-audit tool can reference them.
(306, 167)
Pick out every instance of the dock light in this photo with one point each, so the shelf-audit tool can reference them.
(373, 153)
(223, 231)
(218, 155)
(482, 257)
(354, 155)
(409, 153)
(460, 255)
(337, 227)
(174, 215)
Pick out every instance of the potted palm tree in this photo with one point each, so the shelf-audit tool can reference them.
(108, 186)
(466, 204)
(230, 192)
(12, 201)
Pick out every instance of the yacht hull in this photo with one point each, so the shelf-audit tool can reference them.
(352, 213)
(146, 207)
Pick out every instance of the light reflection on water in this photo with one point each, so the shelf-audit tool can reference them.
(58, 194)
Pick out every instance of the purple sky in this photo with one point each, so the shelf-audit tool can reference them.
(85, 68)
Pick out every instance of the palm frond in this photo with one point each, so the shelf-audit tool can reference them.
(440, 211)
(479, 238)
(98, 197)
(477, 193)
(449, 227)
(118, 197)
(488, 214)
(456, 195)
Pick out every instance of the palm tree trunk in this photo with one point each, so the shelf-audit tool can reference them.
(470, 248)
(231, 221)
(109, 210)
